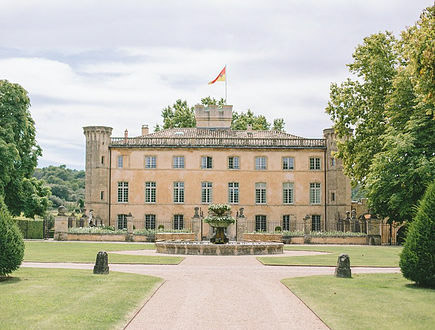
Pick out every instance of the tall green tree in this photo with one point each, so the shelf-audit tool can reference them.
(404, 167)
(359, 104)
(391, 151)
(18, 153)
(178, 115)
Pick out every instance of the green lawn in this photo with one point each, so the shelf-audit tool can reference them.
(366, 301)
(87, 252)
(71, 299)
(373, 256)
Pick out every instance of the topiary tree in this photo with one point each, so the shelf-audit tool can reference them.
(11, 243)
(417, 260)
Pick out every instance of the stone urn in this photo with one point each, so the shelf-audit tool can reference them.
(219, 218)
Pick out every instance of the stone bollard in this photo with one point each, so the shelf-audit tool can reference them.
(343, 266)
(102, 263)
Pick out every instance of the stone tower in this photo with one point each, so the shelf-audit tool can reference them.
(97, 171)
(338, 194)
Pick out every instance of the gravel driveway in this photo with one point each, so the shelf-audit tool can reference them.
(222, 292)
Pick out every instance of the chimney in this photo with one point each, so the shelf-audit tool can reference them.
(145, 130)
(125, 136)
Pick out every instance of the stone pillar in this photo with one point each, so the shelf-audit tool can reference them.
(241, 225)
(196, 225)
(61, 225)
(307, 225)
(129, 237)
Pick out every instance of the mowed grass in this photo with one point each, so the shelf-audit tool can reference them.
(373, 256)
(87, 253)
(71, 299)
(367, 301)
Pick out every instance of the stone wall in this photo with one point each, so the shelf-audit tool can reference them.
(259, 237)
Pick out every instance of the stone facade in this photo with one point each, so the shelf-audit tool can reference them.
(117, 170)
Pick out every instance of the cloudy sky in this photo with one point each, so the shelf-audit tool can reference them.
(119, 63)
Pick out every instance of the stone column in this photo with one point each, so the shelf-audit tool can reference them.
(129, 237)
(242, 225)
(196, 225)
(61, 225)
(307, 225)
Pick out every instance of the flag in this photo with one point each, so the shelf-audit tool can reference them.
(221, 76)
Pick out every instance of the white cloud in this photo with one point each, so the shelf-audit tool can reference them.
(119, 63)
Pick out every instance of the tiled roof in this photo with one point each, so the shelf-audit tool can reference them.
(217, 138)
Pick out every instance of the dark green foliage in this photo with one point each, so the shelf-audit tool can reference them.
(417, 260)
(181, 115)
(391, 109)
(67, 185)
(11, 242)
(18, 153)
(31, 229)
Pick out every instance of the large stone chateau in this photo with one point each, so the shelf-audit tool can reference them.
(270, 178)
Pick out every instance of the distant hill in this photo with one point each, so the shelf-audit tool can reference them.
(67, 185)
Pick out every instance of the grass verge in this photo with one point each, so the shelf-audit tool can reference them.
(87, 252)
(71, 299)
(372, 256)
(366, 301)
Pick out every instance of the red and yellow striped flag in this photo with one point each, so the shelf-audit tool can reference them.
(221, 76)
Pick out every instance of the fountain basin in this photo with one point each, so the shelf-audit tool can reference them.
(230, 249)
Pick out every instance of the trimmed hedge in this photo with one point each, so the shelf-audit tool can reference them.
(31, 229)
(417, 260)
(11, 243)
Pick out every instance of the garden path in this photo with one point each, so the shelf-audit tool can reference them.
(222, 292)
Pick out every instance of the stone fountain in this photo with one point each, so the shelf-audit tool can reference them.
(219, 218)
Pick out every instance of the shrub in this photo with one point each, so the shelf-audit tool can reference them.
(417, 260)
(30, 228)
(11, 243)
(278, 228)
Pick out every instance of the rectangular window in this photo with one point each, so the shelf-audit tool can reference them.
(122, 221)
(178, 162)
(287, 193)
(332, 162)
(286, 222)
(315, 193)
(150, 161)
(206, 162)
(233, 163)
(122, 192)
(150, 192)
(332, 196)
(101, 195)
(178, 221)
(102, 160)
(233, 192)
(315, 223)
(206, 192)
(178, 192)
(150, 221)
(314, 163)
(260, 223)
(260, 193)
(120, 161)
(288, 163)
(260, 163)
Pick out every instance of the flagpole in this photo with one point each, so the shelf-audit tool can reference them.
(226, 78)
